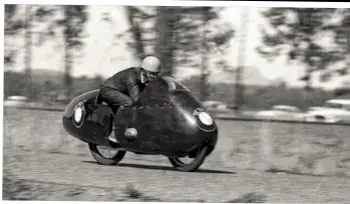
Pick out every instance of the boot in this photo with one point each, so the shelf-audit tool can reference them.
(112, 137)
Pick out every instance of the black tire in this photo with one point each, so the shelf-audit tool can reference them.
(105, 161)
(194, 165)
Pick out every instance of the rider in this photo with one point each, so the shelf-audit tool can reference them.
(123, 88)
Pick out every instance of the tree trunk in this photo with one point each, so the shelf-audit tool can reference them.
(67, 72)
(164, 46)
(204, 65)
(136, 31)
(67, 58)
(28, 51)
(239, 89)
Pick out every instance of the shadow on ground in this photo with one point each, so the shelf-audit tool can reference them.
(163, 168)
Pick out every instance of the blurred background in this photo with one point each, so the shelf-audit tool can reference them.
(274, 63)
(270, 64)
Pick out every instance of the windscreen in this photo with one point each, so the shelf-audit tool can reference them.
(174, 85)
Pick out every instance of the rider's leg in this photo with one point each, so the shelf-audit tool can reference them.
(118, 101)
(115, 98)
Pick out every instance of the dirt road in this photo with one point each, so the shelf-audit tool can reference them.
(71, 177)
(33, 171)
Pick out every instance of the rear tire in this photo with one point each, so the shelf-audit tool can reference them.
(103, 160)
(194, 165)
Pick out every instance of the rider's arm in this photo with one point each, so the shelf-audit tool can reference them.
(133, 89)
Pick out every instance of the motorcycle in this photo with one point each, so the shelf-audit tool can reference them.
(167, 120)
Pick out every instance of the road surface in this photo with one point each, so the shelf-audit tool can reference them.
(154, 178)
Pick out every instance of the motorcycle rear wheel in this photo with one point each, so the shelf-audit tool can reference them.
(194, 165)
(96, 154)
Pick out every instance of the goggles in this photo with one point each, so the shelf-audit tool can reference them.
(152, 74)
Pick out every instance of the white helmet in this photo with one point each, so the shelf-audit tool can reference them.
(151, 64)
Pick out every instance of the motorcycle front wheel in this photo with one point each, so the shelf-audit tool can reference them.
(198, 160)
(113, 158)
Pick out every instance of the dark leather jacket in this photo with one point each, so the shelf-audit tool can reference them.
(127, 81)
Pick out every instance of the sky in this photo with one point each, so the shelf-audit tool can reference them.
(100, 56)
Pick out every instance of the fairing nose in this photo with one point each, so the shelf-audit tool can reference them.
(204, 121)
(205, 118)
(196, 116)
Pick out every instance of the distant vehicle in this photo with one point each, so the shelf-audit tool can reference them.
(281, 112)
(333, 111)
(15, 101)
(217, 107)
(314, 108)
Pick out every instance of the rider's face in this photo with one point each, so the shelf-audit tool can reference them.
(151, 75)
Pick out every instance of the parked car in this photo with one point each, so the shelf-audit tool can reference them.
(281, 112)
(314, 108)
(15, 101)
(333, 111)
(217, 107)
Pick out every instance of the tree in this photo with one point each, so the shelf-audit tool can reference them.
(164, 42)
(73, 22)
(12, 26)
(296, 32)
(173, 36)
(71, 25)
(136, 16)
(200, 31)
(185, 36)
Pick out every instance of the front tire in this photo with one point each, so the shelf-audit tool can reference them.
(194, 165)
(96, 154)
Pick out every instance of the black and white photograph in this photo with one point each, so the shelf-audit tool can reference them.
(176, 101)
